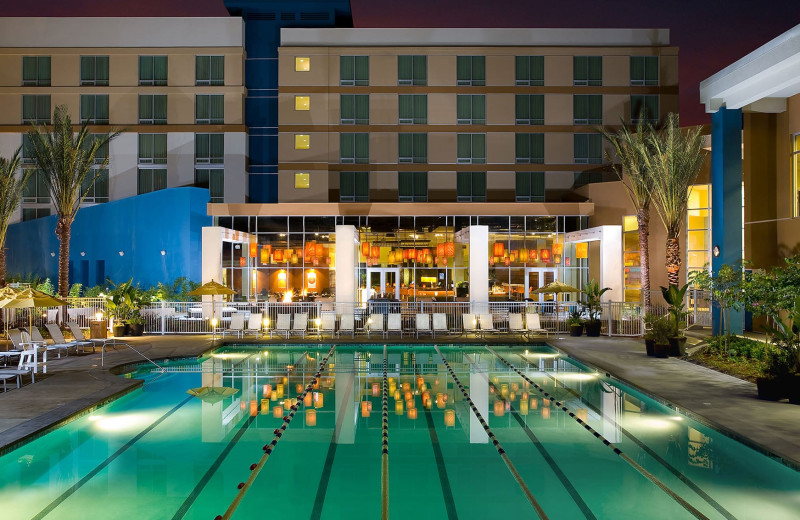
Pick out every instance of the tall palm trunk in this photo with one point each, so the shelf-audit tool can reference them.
(2, 267)
(643, 219)
(673, 260)
(63, 231)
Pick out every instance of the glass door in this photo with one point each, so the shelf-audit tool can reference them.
(383, 282)
(536, 277)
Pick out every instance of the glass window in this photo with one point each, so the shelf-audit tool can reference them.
(796, 173)
(94, 70)
(412, 148)
(698, 228)
(471, 186)
(36, 109)
(529, 109)
(209, 70)
(412, 70)
(530, 71)
(36, 71)
(302, 142)
(152, 109)
(354, 186)
(471, 70)
(151, 179)
(588, 148)
(413, 109)
(35, 190)
(302, 64)
(95, 187)
(94, 109)
(153, 70)
(644, 70)
(587, 109)
(530, 186)
(213, 179)
(587, 71)
(209, 109)
(209, 148)
(152, 149)
(354, 148)
(302, 102)
(412, 186)
(631, 259)
(354, 70)
(471, 148)
(530, 148)
(471, 109)
(34, 213)
(302, 180)
(354, 109)
(644, 108)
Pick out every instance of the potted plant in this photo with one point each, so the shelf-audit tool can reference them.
(123, 304)
(136, 323)
(592, 294)
(649, 339)
(675, 298)
(660, 333)
(575, 323)
(783, 360)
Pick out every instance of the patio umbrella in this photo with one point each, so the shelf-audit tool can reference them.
(556, 288)
(212, 289)
(212, 394)
(7, 293)
(29, 299)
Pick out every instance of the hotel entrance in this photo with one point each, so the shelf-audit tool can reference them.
(536, 277)
(383, 281)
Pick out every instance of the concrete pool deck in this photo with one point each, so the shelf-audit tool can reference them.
(76, 383)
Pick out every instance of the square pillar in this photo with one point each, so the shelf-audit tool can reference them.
(479, 269)
(346, 267)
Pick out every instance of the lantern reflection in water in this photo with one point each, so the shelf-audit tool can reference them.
(307, 400)
(534, 403)
(267, 390)
(545, 413)
(499, 408)
(582, 414)
(364, 409)
(449, 417)
(264, 406)
(523, 407)
(318, 400)
(277, 412)
(398, 407)
(311, 417)
(412, 413)
(375, 389)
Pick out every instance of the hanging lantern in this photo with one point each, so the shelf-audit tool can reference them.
(412, 254)
(507, 261)
(504, 390)
(544, 254)
(391, 257)
(523, 255)
(278, 255)
(265, 252)
(311, 417)
(533, 254)
(298, 388)
(582, 250)
(264, 406)
(273, 396)
(279, 390)
(428, 259)
(295, 258)
(437, 260)
(365, 249)
(412, 413)
(405, 254)
(449, 417)
(558, 248)
(315, 261)
(242, 261)
(566, 260)
(369, 261)
(426, 252)
(311, 249)
(450, 249)
(556, 259)
(512, 257)
(523, 407)
(440, 400)
(499, 249)
(253, 249)
(445, 261)
(396, 395)
(376, 251)
(440, 249)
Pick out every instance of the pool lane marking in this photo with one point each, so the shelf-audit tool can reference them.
(538, 508)
(652, 478)
(644, 447)
(256, 468)
(75, 487)
(385, 445)
(444, 480)
(211, 470)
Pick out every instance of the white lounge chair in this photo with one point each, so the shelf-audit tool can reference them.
(394, 323)
(28, 364)
(300, 323)
(423, 324)
(253, 324)
(515, 325)
(80, 340)
(282, 325)
(347, 323)
(375, 324)
(236, 326)
(439, 323)
(328, 323)
(533, 324)
(470, 324)
(59, 343)
(486, 323)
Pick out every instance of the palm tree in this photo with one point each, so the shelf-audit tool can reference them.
(67, 159)
(10, 195)
(675, 163)
(631, 150)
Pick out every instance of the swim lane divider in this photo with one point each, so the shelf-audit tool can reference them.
(652, 478)
(255, 468)
(385, 445)
(538, 508)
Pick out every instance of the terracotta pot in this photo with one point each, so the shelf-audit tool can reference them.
(576, 330)
(677, 346)
(649, 346)
(661, 351)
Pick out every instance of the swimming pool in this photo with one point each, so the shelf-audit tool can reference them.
(160, 453)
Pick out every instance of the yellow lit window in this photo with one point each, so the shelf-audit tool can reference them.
(302, 102)
(302, 64)
(301, 180)
(302, 142)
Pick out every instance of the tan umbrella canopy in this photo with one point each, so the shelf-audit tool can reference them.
(29, 299)
(212, 394)
(556, 287)
(212, 289)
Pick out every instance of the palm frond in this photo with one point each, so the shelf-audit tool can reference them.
(11, 186)
(631, 149)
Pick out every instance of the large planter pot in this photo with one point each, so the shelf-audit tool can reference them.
(593, 328)
(137, 329)
(576, 330)
(677, 346)
(771, 388)
(793, 388)
(119, 330)
(649, 346)
(661, 351)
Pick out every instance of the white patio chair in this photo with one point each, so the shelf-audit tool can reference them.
(253, 324)
(236, 326)
(59, 343)
(80, 340)
(328, 323)
(533, 324)
(28, 364)
(470, 324)
(423, 324)
(375, 324)
(6, 374)
(439, 323)
(486, 323)
(515, 325)
(347, 323)
(394, 323)
(300, 323)
(282, 325)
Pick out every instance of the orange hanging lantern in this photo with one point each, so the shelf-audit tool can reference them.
(278, 255)
(507, 261)
(253, 249)
(365, 249)
(426, 252)
(499, 249)
(295, 258)
(266, 250)
(315, 261)
(533, 254)
(556, 259)
(412, 254)
(308, 399)
(242, 261)
(523, 255)
(364, 409)
(376, 251)
(311, 249)
(319, 250)
(405, 254)
(582, 250)
(567, 261)
(513, 257)
(440, 249)
(253, 408)
(558, 248)
(544, 254)
(267, 390)
(449, 249)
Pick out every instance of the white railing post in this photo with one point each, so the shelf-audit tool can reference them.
(163, 317)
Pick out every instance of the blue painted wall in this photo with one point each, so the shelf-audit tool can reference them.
(263, 20)
(726, 200)
(141, 227)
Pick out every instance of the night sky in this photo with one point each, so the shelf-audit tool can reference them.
(710, 34)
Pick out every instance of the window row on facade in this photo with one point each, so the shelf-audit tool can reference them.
(471, 70)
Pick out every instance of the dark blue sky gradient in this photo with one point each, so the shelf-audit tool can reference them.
(710, 35)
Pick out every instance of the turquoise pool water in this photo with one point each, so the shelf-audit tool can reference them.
(161, 453)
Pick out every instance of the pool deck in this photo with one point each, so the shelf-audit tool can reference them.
(76, 383)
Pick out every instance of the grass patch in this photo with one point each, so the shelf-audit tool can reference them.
(741, 357)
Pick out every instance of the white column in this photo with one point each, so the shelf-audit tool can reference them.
(611, 411)
(211, 262)
(479, 393)
(611, 267)
(479, 269)
(346, 280)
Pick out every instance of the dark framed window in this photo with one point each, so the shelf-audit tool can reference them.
(412, 70)
(529, 109)
(94, 109)
(35, 190)
(36, 109)
(471, 70)
(209, 109)
(644, 108)
(94, 70)
(152, 149)
(588, 148)
(471, 186)
(209, 70)
(153, 70)
(530, 71)
(152, 109)
(587, 109)
(36, 71)
(209, 148)
(34, 213)
(471, 148)
(354, 109)
(354, 186)
(97, 191)
(412, 186)
(530, 148)
(353, 70)
(644, 70)
(412, 148)
(530, 186)
(587, 71)
(354, 148)
(151, 179)
(413, 109)
(471, 109)
(213, 179)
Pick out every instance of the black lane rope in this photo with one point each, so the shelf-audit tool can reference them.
(652, 478)
(538, 508)
(385, 445)
(255, 468)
